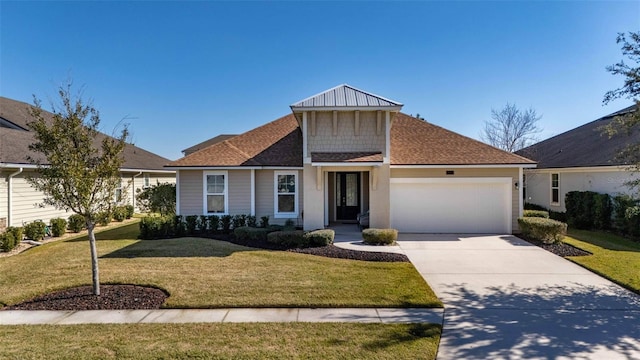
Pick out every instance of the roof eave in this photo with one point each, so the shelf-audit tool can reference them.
(433, 166)
(299, 109)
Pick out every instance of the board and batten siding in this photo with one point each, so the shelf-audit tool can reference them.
(470, 173)
(368, 138)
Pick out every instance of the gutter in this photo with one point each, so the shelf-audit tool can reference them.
(10, 195)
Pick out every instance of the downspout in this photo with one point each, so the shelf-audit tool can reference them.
(10, 195)
(133, 188)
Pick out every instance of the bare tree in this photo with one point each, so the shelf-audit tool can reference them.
(78, 168)
(511, 129)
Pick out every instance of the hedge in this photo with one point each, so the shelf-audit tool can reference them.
(289, 239)
(546, 230)
(319, 238)
(251, 233)
(157, 227)
(380, 236)
(588, 210)
(536, 213)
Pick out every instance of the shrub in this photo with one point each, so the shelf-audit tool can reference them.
(11, 238)
(119, 213)
(129, 211)
(159, 198)
(632, 216)
(178, 226)
(380, 236)
(536, 213)
(623, 221)
(252, 221)
(319, 238)
(264, 221)
(103, 218)
(530, 206)
(239, 221)
(251, 233)
(214, 223)
(225, 221)
(588, 210)
(76, 223)
(546, 230)
(288, 239)
(58, 227)
(558, 216)
(156, 227)
(289, 224)
(275, 227)
(192, 224)
(35, 230)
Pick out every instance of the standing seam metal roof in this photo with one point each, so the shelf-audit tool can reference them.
(345, 96)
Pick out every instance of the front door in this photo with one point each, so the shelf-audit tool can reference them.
(347, 195)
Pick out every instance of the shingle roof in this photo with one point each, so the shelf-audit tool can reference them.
(346, 157)
(14, 143)
(278, 143)
(417, 142)
(207, 143)
(345, 96)
(584, 146)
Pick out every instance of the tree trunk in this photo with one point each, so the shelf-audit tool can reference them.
(94, 258)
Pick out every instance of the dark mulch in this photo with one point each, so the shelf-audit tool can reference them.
(560, 248)
(260, 244)
(339, 253)
(112, 297)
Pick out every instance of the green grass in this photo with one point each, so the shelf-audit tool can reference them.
(614, 257)
(205, 273)
(216, 341)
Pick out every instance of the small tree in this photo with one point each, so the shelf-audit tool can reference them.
(629, 122)
(79, 169)
(510, 128)
(160, 198)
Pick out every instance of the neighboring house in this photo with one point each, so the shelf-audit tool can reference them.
(346, 151)
(20, 203)
(582, 159)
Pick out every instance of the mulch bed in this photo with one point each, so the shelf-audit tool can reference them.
(340, 253)
(112, 297)
(560, 248)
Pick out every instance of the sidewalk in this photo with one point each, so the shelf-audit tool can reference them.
(350, 315)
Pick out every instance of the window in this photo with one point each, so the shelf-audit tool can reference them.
(215, 192)
(524, 186)
(555, 189)
(118, 193)
(286, 194)
(147, 181)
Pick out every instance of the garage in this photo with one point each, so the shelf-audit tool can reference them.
(451, 205)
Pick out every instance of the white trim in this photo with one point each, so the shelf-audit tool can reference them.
(346, 164)
(298, 109)
(32, 166)
(520, 192)
(10, 195)
(177, 192)
(148, 170)
(205, 192)
(145, 179)
(285, 215)
(472, 166)
(621, 168)
(551, 202)
(326, 198)
(220, 168)
(253, 192)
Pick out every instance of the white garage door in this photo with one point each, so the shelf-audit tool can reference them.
(451, 205)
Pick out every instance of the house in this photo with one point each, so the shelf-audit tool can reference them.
(346, 151)
(20, 203)
(206, 143)
(581, 159)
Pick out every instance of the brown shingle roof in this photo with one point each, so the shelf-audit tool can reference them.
(583, 146)
(14, 143)
(278, 143)
(346, 157)
(207, 143)
(417, 142)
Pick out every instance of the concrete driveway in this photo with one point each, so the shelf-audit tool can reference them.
(507, 299)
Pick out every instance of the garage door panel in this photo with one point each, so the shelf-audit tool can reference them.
(465, 206)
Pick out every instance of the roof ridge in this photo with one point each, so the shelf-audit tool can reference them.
(237, 149)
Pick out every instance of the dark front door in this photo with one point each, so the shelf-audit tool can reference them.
(347, 195)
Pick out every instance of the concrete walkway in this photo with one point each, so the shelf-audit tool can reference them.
(350, 315)
(507, 299)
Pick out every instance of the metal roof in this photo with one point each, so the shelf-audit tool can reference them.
(345, 96)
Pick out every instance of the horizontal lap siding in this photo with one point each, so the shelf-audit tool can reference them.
(135, 183)
(470, 173)
(239, 192)
(27, 204)
(191, 189)
(265, 196)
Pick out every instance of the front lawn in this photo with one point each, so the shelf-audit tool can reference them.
(205, 273)
(221, 341)
(614, 257)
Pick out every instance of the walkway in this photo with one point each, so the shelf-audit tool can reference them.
(350, 315)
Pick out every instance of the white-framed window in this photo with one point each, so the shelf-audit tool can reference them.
(147, 181)
(216, 192)
(285, 194)
(555, 188)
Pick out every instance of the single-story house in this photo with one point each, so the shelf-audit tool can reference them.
(581, 159)
(20, 203)
(346, 151)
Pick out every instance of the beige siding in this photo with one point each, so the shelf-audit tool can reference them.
(239, 192)
(27, 203)
(135, 183)
(265, 196)
(468, 173)
(191, 192)
(346, 139)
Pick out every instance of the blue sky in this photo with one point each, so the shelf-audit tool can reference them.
(182, 72)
